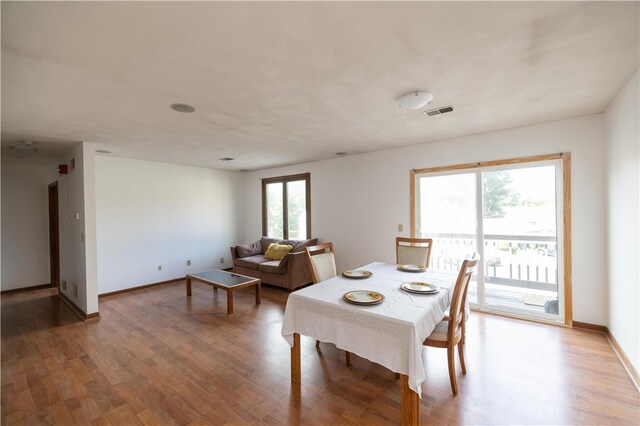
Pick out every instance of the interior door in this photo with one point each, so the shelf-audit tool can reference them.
(54, 241)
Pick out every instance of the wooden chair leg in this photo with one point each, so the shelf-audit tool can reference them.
(461, 355)
(463, 329)
(347, 358)
(452, 369)
(317, 344)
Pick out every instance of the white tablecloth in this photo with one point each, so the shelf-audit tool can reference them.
(390, 333)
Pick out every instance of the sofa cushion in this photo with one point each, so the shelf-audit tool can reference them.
(299, 245)
(250, 262)
(277, 251)
(266, 241)
(272, 266)
(246, 250)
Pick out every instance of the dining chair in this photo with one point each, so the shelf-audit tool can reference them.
(463, 324)
(448, 333)
(322, 263)
(413, 251)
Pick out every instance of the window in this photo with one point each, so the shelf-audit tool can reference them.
(515, 214)
(286, 207)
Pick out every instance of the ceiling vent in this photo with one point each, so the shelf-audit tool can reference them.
(438, 111)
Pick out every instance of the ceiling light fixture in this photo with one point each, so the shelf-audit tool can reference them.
(182, 108)
(341, 153)
(25, 147)
(415, 100)
(226, 159)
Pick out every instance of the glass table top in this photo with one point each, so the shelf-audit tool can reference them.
(223, 278)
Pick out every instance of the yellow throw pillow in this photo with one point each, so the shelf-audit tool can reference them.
(277, 251)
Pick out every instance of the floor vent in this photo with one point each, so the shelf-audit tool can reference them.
(438, 111)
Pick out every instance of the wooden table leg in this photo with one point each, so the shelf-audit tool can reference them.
(188, 286)
(410, 403)
(258, 291)
(229, 301)
(295, 360)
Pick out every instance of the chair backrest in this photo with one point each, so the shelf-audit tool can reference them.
(414, 251)
(456, 311)
(322, 262)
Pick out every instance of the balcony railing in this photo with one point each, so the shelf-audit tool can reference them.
(524, 261)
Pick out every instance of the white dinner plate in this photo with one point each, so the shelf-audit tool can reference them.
(412, 268)
(356, 274)
(363, 297)
(420, 287)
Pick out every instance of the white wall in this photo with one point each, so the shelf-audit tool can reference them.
(622, 139)
(151, 214)
(358, 201)
(25, 225)
(77, 228)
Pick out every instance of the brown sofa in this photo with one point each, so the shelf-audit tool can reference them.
(291, 272)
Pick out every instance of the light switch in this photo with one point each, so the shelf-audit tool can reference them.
(77, 216)
(400, 227)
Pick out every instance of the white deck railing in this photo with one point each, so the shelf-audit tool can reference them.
(524, 261)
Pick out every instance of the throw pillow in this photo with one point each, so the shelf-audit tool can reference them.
(246, 250)
(277, 251)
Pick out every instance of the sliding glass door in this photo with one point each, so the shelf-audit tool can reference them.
(512, 215)
(448, 215)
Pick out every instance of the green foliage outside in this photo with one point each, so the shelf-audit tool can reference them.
(274, 211)
(497, 193)
(296, 205)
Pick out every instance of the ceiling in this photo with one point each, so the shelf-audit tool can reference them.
(284, 83)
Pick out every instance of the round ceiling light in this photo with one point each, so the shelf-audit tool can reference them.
(182, 108)
(415, 100)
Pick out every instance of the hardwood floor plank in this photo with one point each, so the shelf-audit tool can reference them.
(156, 357)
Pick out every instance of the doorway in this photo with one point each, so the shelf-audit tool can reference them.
(513, 214)
(54, 238)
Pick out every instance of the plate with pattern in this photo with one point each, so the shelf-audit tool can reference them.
(363, 297)
(357, 274)
(420, 287)
(412, 268)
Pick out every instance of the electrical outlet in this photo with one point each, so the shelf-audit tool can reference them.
(188, 263)
(64, 285)
(159, 267)
(75, 290)
(222, 260)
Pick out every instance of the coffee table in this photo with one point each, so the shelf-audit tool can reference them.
(228, 281)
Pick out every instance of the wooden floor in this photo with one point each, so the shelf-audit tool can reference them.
(156, 357)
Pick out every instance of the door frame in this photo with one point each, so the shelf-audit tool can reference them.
(566, 218)
(54, 236)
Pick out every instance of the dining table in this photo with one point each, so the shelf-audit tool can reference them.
(389, 333)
